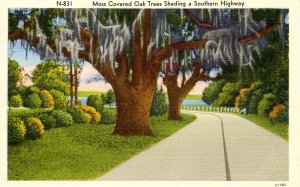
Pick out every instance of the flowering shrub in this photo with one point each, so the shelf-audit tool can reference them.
(241, 99)
(35, 128)
(95, 116)
(266, 104)
(278, 113)
(79, 116)
(16, 130)
(47, 99)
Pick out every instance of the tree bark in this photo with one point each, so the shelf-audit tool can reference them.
(177, 94)
(133, 111)
(71, 82)
(76, 84)
(175, 100)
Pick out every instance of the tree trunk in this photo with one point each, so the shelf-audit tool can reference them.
(175, 100)
(133, 112)
(71, 82)
(76, 84)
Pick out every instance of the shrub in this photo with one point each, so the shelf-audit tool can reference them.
(240, 100)
(26, 113)
(60, 100)
(159, 105)
(96, 102)
(95, 116)
(79, 116)
(35, 128)
(278, 113)
(16, 101)
(108, 117)
(16, 130)
(48, 121)
(266, 104)
(47, 99)
(33, 89)
(210, 94)
(228, 94)
(256, 96)
(63, 119)
(109, 97)
(244, 98)
(34, 101)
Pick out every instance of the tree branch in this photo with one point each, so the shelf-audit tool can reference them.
(170, 49)
(257, 35)
(146, 34)
(198, 22)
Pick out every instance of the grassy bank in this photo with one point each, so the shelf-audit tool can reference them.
(82, 151)
(87, 93)
(193, 97)
(280, 129)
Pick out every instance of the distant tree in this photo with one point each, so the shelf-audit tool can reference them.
(210, 93)
(14, 76)
(51, 75)
(109, 97)
(159, 105)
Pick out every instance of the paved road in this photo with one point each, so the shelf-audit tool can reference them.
(215, 147)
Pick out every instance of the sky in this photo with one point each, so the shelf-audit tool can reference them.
(19, 54)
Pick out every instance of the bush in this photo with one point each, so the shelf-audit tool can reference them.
(95, 116)
(26, 113)
(266, 104)
(96, 102)
(210, 93)
(241, 99)
(279, 113)
(16, 130)
(63, 119)
(79, 116)
(47, 99)
(108, 117)
(108, 98)
(16, 101)
(159, 105)
(244, 98)
(34, 101)
(33, 89)
(48, 121)
(228, 94)
(35, 128)
(256, 96)
(60, 100)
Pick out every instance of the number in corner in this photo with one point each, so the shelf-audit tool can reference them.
(280, 184)
(63, 3)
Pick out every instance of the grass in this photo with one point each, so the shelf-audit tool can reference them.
(193, 97)
(87, 93)
(279, 129)
(82, 151)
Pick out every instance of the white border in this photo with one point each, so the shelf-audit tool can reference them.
(294, 142)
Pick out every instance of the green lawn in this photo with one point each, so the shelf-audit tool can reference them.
(193, 97)
(82, 151)
(280, 129)
(87, 93)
